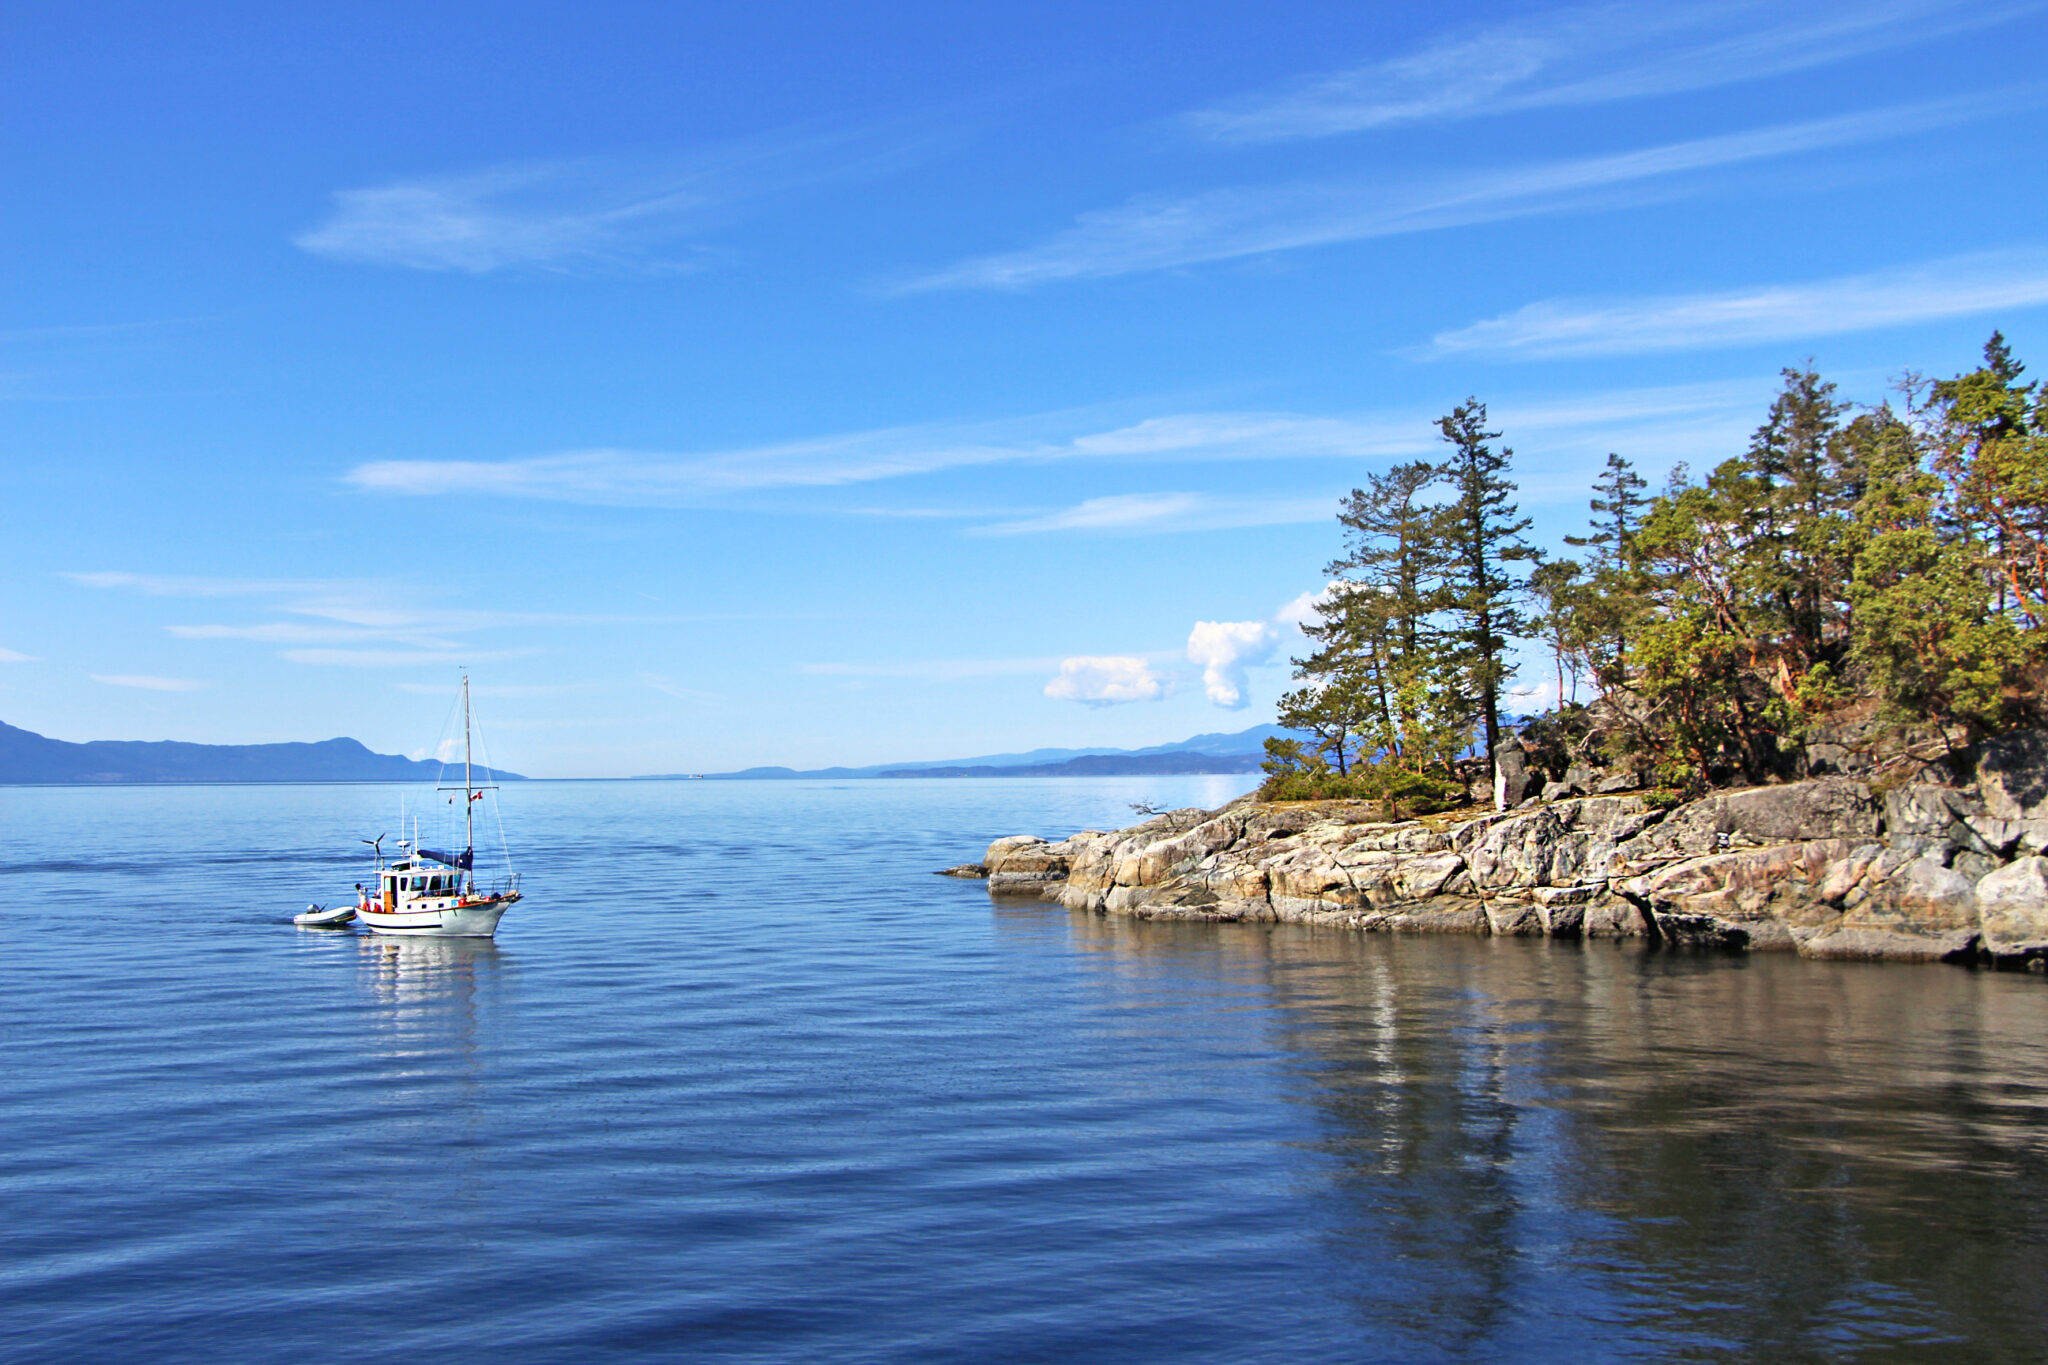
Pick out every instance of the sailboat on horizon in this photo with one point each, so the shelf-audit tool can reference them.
(429, 893)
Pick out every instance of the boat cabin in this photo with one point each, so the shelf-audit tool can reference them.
(415, 883)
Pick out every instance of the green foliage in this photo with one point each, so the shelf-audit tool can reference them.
(1406, 794)
(1607, 604)
(1947, 579)
(1842, 554)
(1482, 537)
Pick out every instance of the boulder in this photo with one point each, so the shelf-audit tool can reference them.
(1920, 897)
(1023, 864)
(1857, 944)
(1001, 849)
(1512, 780)
(1826, 808)
(1742, 888)
(2012, 775)
(1506, 918)
(2013, 907)
(1561, 844)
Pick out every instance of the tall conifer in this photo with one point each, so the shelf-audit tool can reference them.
(1482, 540)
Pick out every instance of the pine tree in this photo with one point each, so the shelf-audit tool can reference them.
(1930, 636)
(1393, 570)
(1559, 589)
(1482, 542)
(1612, 602)
(1989, 434)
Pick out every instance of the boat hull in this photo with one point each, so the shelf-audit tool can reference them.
(478, 919)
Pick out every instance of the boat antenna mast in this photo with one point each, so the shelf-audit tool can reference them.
(468, 791)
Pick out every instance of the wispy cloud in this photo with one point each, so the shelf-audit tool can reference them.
(1160, 233)
(180, 585)
(931, 670)
(397, 658)
(498, 690)
(640, 478)
(8, 656)
(584, 215)
(299, 633)
(1686, 414)
(669, 687)
(349, 623)
(1587, 55)
(146, 682)
(1161, 512)
(1963, 286)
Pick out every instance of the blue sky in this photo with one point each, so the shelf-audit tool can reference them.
(838, 383)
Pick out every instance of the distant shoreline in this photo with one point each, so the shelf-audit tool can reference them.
(555, 781)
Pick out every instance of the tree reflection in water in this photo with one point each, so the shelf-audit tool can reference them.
(1706, 1156)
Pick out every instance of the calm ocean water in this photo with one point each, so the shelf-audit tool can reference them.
(742, 1081)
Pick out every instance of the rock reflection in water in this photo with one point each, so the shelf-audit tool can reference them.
(1747, 1157)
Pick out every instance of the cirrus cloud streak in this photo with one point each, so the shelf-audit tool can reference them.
(1165, 232)
(1963, 286)
(147, 682)
(1593, 54)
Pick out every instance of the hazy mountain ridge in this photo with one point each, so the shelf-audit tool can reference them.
(30, 758)
(1238, 752)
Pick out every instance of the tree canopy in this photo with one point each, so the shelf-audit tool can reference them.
(1891, 558)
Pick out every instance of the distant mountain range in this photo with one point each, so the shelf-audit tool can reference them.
(27, 757)
(1212, 753)
(30, 758)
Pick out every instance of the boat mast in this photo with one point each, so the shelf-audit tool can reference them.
(468, 795)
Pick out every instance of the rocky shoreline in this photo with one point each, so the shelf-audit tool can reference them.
(1943, 860)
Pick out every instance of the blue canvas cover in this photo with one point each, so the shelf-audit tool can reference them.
(464, 860)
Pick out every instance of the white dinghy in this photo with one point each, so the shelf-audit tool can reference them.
(325, 917)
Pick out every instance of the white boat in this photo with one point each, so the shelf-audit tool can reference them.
(325, 917)
(430, 894)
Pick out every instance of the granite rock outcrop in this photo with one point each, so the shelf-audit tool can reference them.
(1926, 861)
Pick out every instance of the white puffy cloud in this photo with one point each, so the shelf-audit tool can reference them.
(1308, 608)
(1105, 681)
(1225, 649)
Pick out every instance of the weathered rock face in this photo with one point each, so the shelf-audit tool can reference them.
(1934, 869)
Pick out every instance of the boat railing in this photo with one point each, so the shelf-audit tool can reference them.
(502, 886)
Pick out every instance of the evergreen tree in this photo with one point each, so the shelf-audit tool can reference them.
(1842, 554)
(1612, 601)
(1393, 572)
(1931, 638)
(1989, 434)
(1481, 534)
(1560, 591)
(1339, 703)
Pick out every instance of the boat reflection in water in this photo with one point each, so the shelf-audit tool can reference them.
(429, 1000)
(428, 983)
(428, 997)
